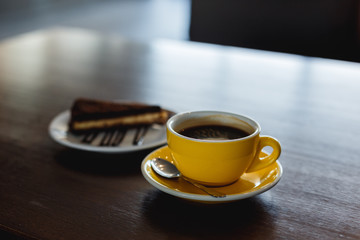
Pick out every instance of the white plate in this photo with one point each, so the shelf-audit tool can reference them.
(248, 185)
(59, 131)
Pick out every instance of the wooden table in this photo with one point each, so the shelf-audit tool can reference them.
(48, 191)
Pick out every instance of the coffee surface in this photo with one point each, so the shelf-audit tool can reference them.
(213, 132)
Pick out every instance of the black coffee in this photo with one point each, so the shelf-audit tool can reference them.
(213, 132)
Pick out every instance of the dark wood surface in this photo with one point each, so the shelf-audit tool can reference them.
(48, 191)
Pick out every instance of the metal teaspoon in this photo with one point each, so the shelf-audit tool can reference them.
(168, 170)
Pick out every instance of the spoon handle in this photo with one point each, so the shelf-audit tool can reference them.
(210, 191)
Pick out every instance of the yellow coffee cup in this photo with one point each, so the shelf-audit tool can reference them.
(206, 146)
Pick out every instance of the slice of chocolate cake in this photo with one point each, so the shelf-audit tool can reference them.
(90, 114)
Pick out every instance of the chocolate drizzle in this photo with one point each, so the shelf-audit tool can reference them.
(114, 137)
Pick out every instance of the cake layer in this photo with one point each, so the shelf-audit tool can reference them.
(90, 114)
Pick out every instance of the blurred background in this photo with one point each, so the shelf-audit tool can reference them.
(141, 20)
(321, 28)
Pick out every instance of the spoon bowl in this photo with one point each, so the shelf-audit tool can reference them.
(168, 170)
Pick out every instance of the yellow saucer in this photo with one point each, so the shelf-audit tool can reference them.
(248, 185)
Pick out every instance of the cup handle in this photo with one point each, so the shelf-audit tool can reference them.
(260, 163)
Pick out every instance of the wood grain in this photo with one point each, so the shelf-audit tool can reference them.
(51, 192)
